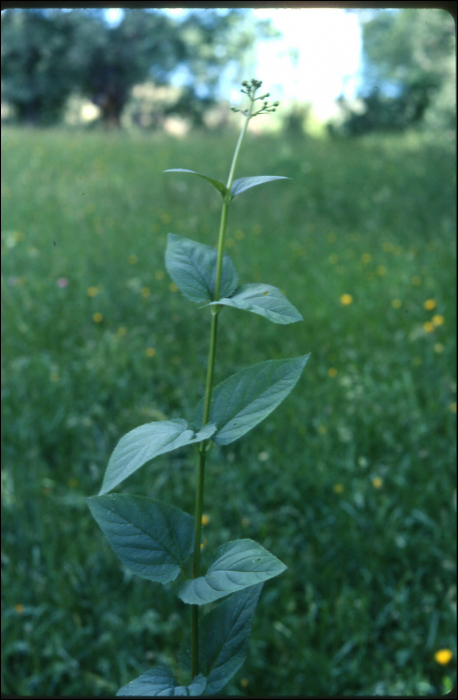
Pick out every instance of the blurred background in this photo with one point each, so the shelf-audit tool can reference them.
(352, 482)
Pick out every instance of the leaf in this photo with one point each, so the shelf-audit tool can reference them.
(146, 442)
(151, 538)
(244, 183)
(192, 266)
(265, 300)
(222, 189)
(225, 633)
(242, 401)
(238, 564)
(159, 680)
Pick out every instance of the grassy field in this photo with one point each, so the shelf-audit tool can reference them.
(350, 482)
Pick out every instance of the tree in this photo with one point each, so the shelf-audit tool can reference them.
(409, 60)
(149, 45)
(38, 71)
(48, 54)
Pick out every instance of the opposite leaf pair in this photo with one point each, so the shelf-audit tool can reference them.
(238, 186)
(238, 404)
(192, 266)
(155, 540)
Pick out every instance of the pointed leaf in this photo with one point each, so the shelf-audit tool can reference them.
(225, 634)
(159, 681)
(244, 183)
(242, 401)
(151, 538)
(146, 442)
(265, 300)
(222, 189)
(237, 565)
(192, 266)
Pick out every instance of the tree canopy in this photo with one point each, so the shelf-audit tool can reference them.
(48, 54)
(408, 71)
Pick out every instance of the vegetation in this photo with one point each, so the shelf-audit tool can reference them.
(409, 72)
(351, 483)
(47, 55)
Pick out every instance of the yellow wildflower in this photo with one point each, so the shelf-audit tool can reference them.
(332, 371)
(322, 429)
(453, 407)
(396, 303)
(150, 352)
(438, 347)
(205, 519)
(346, 299)
(133, 260)
(97, 317)
(438, 320)
(145, 292)
(443, 656)
(19, 609)
(338, 488)
(377, 482)
(173, 287)
(428, 327)
(380, 270)
(366, 258)
(429, 304)
(92, 291)
(122, 330)
(159, 274)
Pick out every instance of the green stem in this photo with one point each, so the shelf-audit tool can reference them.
(207, 402)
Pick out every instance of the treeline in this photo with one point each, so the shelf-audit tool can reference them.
(48, 55)
(409, 75)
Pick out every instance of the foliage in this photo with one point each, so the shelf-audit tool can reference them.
(357, 498)
(409, 64)
(47, 54)
(38, 70)
(155, 541)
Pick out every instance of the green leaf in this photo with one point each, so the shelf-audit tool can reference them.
(222, 189)
(224, 633)
(146, 442)
(242, 401)
(159, 680)
(151, 538)
(244, 183)
(192, 266)
(265, 300)
(237, 565)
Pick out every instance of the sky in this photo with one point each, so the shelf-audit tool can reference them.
(327, 44)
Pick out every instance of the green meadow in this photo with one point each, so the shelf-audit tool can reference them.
(351, 482)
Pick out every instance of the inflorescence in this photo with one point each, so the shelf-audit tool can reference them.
(250, 90)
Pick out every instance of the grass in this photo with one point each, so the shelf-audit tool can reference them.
(351, 482)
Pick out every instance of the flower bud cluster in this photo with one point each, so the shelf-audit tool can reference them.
(249, 89)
